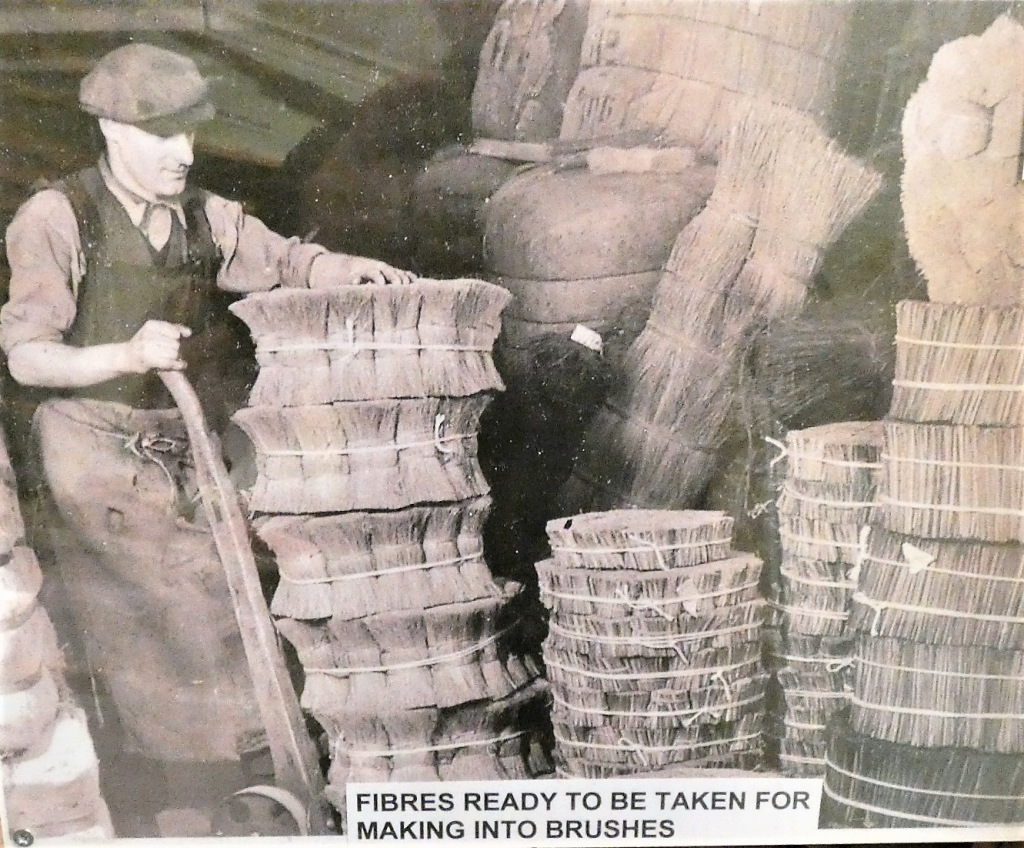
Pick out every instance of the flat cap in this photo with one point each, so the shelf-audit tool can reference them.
(157, 90)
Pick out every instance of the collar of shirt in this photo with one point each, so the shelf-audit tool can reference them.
(136, 205)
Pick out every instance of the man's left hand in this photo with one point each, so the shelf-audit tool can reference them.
(331, 270)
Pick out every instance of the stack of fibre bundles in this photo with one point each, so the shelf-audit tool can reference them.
(368, 492)
(676, 70)
(744, 261)
(939, 610)
(588, 244)
(48, 765)
(827, 494)
(654, 643)
(527, 65)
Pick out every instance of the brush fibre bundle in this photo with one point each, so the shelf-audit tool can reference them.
(945, 592)
(666, 723)
(631, 635)
(512, 755)
(699, 703)
(428, 339)
(628, 647)
(724, 760)
(413, 635)
(958, 364)
(359, 563)
(772, 161)
(372, 455)
(640, 540)
(875, 783)
(645, 751)
(844, 457)
(698, 591)
(432, 726)
(829, 505)
(427, 677)
(716, 668)
(819, 541)
(55, 790)
(953, 481)
(936, 696)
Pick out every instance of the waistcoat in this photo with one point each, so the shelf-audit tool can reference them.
(127, 283)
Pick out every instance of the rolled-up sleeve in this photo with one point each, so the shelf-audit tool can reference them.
(46, 261)
(255, 257)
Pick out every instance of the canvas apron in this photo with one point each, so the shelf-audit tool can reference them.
(145, 587)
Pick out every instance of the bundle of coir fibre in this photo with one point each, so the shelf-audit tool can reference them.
(744, 261)
(430, 339)
(353, 564)
(937, 696)
(875, 783)
(958, 364)
(383, 454)
(941, 591)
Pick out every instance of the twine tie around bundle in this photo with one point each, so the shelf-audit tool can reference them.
(353, 347)
(650, 544)
(719, 678)
(917, 568)
(341, 671)
(424, 749)
(636, 749)
(665, 642)
(880, 606)
(646, 545)
(784, 451)
(398, 569)
(439, 441)
(638, 605)
(877, 607)
(692, 715)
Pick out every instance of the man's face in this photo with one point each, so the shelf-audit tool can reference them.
(148, 164)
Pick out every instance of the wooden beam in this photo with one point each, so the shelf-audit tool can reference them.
(29, 19)
(344, 65)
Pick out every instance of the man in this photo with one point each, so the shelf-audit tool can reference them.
(119, 272)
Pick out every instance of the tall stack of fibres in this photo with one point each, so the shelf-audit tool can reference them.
(654, 643)
(368, 492)
(584, 239)
(48, 766)
(935, 734)
(829, 488)
(744, 261)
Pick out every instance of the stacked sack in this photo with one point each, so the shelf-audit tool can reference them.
(654, 643)
(527, 66)
(49, 769)
(935, 735)
(829, 489)
(363, 420)
(656, 88)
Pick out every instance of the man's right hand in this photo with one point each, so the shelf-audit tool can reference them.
(156, 346)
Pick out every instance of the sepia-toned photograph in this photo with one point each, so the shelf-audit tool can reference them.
(546, 422)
